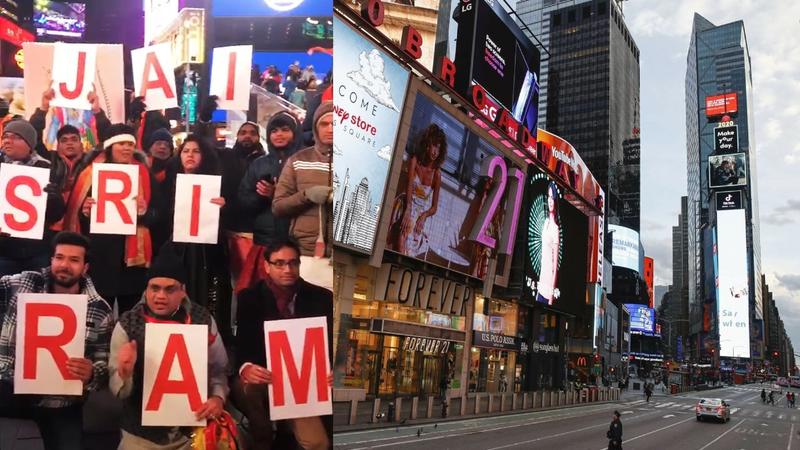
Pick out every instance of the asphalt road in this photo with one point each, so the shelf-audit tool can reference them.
(667, 422)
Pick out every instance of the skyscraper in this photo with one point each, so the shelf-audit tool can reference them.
(591, 88)
(718, 92)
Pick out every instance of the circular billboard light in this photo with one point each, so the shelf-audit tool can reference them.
(283, 5)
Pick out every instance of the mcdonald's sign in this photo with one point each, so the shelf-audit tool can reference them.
(581, 361)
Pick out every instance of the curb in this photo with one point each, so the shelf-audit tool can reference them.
(385, 425)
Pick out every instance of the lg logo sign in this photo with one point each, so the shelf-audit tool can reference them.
(283, 5)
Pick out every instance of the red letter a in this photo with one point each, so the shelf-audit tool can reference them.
(176, 348)
(160, 82)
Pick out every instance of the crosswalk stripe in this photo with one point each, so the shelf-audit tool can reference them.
(756, 413)
(781, 416)
(663, 405)
(734, 411)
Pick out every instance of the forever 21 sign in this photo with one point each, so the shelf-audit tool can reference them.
(422, 290)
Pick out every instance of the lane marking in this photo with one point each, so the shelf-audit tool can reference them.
(625, 441)
(723, 434)
(668, 416)
(515, 444)
(663, 405)
(791, 434)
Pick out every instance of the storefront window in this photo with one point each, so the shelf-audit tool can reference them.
(548, 328)
(503, 317)
(361, 359)
(492, 370)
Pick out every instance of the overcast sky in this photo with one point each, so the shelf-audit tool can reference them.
(661, 30)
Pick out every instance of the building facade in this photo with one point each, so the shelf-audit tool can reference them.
(718, 67)
(592, 94)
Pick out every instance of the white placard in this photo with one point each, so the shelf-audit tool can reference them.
(175, 374)
(73, 74)
(23, 201)
(114, 188)
(153, 76)
(196, 219)
(290, 394)
(230, 77)
(51, 328)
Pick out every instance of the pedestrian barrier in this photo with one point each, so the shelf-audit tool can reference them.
(399, 409)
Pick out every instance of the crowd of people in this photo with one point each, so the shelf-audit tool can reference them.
(271, 262)
(298, 85)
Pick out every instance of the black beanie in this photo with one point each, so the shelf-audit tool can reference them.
(167, 265)
(161, 134)
(67, 129)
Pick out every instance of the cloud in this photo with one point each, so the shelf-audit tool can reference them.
(337, 150)
(371, 77)
(789, 281)
(385, 152)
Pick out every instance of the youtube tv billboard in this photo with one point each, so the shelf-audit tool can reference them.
(719, 105)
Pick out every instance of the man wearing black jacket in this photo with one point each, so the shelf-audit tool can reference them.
(614, 433)
(282, 295)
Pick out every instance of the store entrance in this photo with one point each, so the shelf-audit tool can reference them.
(431, 375)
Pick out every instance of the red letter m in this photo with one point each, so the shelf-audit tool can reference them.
(313, 353)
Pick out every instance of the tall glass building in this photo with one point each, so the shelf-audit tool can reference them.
(718, 63)
(590, 83)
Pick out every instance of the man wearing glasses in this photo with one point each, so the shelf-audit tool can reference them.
(281, 295)
(16, 254)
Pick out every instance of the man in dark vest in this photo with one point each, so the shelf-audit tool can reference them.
(281, 295)
(164, 301)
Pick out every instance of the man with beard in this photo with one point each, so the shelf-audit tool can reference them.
(235, 220)
(60, 418)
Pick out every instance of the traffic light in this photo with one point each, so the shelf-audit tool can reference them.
(775, 354)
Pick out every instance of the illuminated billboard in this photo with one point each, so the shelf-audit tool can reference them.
(493, 52)
(271, 8)
(453, 195)
(643, 319)
(369, 91)
(625, 247)
(59, 20)
(649, 268)
(733, 311)
(727, 170)
(556, 238)
(718, 105)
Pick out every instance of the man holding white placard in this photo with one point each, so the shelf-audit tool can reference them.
(59, 417)
(282, 295)
(164, 302)
(24, 251)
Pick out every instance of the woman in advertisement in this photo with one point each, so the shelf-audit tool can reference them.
(422, 189)
(551, 235)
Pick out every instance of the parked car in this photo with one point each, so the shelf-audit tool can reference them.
(713, 408)
(794, 382)
(782, 382)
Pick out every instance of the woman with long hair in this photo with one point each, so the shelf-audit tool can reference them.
(422, 189)
(551, 240)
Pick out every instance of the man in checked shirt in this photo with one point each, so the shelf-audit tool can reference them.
(60, 418)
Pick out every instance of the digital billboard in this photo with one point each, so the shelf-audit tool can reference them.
(453, 193)
(556, 238)
(729, 200)
(718, 105)
(492, 51)
(59, 19)
(649, 272)
(260, 8)
(643, 319)
(727, 170)
(625, 247)
(726, 139)
(733, 312)
(369, 91)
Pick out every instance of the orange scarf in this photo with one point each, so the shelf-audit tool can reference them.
(138, 247)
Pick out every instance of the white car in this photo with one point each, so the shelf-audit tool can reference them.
(713, 408)
(782, 382)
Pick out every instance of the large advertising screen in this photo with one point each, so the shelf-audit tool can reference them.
(59, 19)
(643, 319)
(261, 8)
(556, 238)
(625, 247)
(733, 310)
(452, 194)
(369, 90)
(727, 170)
(500, 58)
(717, 105)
